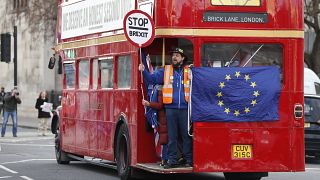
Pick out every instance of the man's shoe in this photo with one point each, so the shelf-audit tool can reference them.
(2, 135)
(187, 165)
(163, 163)
(182, 161)
(170, 166)
(15, 135)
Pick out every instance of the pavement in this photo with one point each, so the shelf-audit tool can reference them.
(25, 122)
(27, 130)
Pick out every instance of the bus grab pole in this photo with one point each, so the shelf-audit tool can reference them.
(141, 75)
(252, 56)
(163, 51)
(189, 104)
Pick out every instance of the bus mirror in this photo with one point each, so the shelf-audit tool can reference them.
(60, 65)
(52, 62)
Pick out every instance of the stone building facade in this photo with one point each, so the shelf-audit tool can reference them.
(34, 51)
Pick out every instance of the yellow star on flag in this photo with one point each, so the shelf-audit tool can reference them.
(253, 84)
(227, 110)
(220, 103)
(228, 77)
(247, 110)
(236, 113)
(253, 102)
(256, 93)
(219, 94)
(221, 85)
(246, 77)
(237, 74)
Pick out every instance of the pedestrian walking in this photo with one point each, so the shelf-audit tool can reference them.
(43, 115)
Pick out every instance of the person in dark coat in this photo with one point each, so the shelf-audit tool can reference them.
(2, 93)
(11, 99)
(42, 115)
(162, 128)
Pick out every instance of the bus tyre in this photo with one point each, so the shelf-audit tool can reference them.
(242, 176)
(61, 156)
(123, 153)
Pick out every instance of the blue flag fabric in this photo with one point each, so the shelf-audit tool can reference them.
(235, 94)
(147, 84)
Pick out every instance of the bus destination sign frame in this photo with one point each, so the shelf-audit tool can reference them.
(235, 17)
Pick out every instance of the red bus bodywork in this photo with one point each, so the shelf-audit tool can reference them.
(90, 118)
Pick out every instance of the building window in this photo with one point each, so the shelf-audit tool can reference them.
(20, 4)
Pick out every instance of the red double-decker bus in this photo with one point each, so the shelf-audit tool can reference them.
(102, 118)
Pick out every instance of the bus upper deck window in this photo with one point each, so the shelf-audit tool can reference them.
(124, 72)
(107, 69)
(241, 55)
(95, 74)
(69, 72)
(83, 77)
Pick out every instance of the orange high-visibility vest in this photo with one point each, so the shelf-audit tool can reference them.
(167, 88)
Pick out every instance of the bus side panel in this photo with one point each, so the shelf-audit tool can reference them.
(67, 121)
(125, 105)
(213, 149)
(94, 111)
(82, 127)
(106, 127)
(298, 156)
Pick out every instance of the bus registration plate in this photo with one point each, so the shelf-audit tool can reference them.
(241, 151)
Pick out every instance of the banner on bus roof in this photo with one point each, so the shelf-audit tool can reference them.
(236, 2)
(88, 17)
(235, 94)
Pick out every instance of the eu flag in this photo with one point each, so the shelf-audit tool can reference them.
(235, 94)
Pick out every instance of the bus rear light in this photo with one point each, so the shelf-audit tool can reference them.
(298, 111)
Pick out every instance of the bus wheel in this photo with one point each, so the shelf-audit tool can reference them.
(244, 176)
(61, 156)
(123, 153)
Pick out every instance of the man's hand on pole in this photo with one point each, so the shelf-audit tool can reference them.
(141, 67)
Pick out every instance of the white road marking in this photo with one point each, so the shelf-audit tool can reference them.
(8, 170)
(27, 160)
(26, 177)
(312, 169)
(10, 140)
(5, 177)
(43, 145)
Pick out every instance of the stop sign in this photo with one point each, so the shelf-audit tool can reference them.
(139, 28)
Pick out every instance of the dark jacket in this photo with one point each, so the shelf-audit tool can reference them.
(178, 99)
(163, 132)
(42, 114)
(10, 102)
(2, 94)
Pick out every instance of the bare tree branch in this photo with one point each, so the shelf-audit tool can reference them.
(311, 19)
(311, 24)
(42, 17)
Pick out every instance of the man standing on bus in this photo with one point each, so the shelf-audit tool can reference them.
(175, 82)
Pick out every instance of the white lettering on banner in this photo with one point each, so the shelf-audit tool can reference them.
(92, 16)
